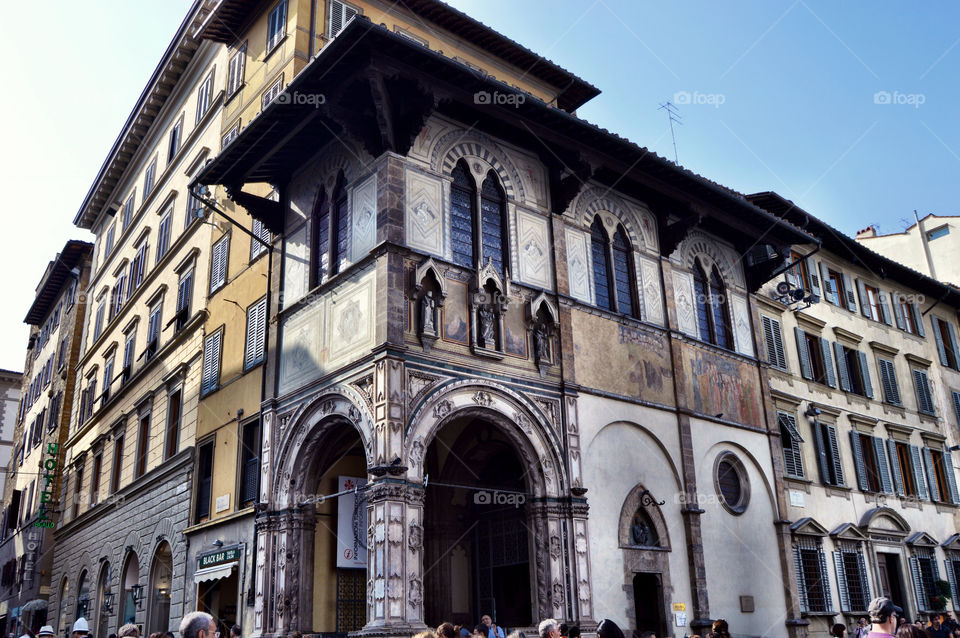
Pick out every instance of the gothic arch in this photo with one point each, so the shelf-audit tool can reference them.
(321, 173)
(456, 144)
(640, 498)
(638, 221)
(522, 423)
(711, 252)
(302, 438)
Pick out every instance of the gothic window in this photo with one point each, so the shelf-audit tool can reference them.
(601, 265)
(713, 314)
(331, 232)
(462, 198)
(492, 219)
(614, 278)
(321, 237)
(340, 226)
(642, 531)
(623, 272)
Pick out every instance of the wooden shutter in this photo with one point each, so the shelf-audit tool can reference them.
(773, 338)
(886, 484)
(801, 580)
(792, 456)
(828, 292)
(895, 466)
(952, 334)
(888, 379)
(211, 362)
(841, 581)
(851, 300)
(831, 377)
(835, 453)
(803, 354)
(924, 397)
(951, 477)
(864, 581)
(825, 581)
(843, 371)
(933, 486)
(941, 347)
(218, 264)
(884, 308)
(865, 375)
(956, 408)
(821, 446)
(952, 579)
(814, 282)
(858, 463)
(864, 300)
(340, 14)
(918, 475)
(918, 583)
(918, 320)
(256, 329)
(898, 311)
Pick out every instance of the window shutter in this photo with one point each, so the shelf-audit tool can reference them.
(806, 370)
(956, 407)
(886, 485)
(895, 465)
(898, 311)
(953, 341)
(951, 477)
(792, 457)
(218, 264)
(851, 299)
(858, 463)
(828, 292)
(888, 379)
(885, 308)
(815, 283)
(835, 451)
(843, 371)
(256, 328)
(952, 579)
(918, 475)
(864, 300)
(841, 581)
(831, 377)
(211, 362)
(918, 583)
(825, 581)
(773, 337)
(801, 581)
(865, 375)
(821, 446)
(924, 397)
(932, 484)
(918, 320)
(864, 581)
(941, 349)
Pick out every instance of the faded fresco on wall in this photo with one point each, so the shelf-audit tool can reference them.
(721, 385)
(515, 329)
(623, 359)
(456, 315)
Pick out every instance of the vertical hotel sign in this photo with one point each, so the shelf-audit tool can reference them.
(50, 474)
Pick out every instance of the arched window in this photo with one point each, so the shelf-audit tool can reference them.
(64, 584)
(340, 225)
(492, 227)
(462, 202)
(321, 238)
(713, 315)
(83, 595)
(601, 265)
(131, 581)
(104, 600)
(161, 576)
(623, 272)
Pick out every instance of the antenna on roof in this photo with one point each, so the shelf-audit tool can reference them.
(673, 115)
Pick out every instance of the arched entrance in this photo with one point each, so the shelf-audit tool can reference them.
(104, 599)
(62, 601)
(477, 544)
(130, 588)
(83, 595)
(161, 575)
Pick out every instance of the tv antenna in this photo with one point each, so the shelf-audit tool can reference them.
(673, 115)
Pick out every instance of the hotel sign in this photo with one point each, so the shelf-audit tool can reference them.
(218, 558)
(49, 476)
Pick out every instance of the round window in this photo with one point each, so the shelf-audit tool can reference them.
(731, 483)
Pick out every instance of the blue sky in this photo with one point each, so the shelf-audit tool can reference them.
(779, 96)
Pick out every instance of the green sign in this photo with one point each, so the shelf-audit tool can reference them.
(227, 555)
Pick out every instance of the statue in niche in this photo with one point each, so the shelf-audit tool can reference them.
(541, 348)
(428, 310)
(486, 326)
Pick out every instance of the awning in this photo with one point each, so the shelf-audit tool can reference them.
(34, 605)
(214, 573)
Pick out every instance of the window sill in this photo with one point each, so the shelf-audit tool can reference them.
(228, 97)
(273, 49)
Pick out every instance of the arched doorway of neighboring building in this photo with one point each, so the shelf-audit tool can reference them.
(130, 589)
(477, 533)
(161, 576)
(104, 600)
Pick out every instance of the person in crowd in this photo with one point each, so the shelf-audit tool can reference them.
(129, 631)
(236, 632)
(648, 634)
(447, 630)
(493, 631)
(80, 628)
(482, 630)
(517, 634)
(574, 631)
(564, 629)
(425, 634)
(838, 631)
(862, 628)
(609, 629)
(936, 629)
(46, 632)
(721, 627)
(198, 624)
(550, 628)
(883, 615)
(910, 630)
(956, 632)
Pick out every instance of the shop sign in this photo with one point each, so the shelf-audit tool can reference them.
(218, 558)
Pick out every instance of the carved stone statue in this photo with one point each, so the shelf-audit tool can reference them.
(428, 309)
(486, 326)
(540, 349)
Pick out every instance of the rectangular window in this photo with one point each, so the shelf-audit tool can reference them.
(77, 491)
(95, 478)
(204, 482)
(816, 361)
(270, 94)
(128, 356)
(797, 275)
(853, 371)
(940, 476)
(127, 216)
(871, 305)
(340, 14)
(256, 248)
(250, 463)
(107, 379)
(230, 136)
(137, 269)
(153, 331)
(176, 138)
(828, 453)
(852, 580)
(98, 322)
(925, 573)
(211, 362)
(235, 71)
(921, 383)
(149, 177)
(184, 297)
(174, 410)
(117, 468)
(835, 292)
(955, 398)
(938, 232)
(108, 243)
(905, 310)
(203, 97)
(276, 25)
(143, 445)
(773, 338)
(218, 263)
(888, 379)
(790, 441)
(813, 585)
(119, 292)
(871, 462)
(946, 338)
(163, 234)
(905, 471)
(91, 394)
(256, 332)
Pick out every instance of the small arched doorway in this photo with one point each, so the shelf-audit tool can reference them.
(104, 599)
(131, 590)
(477, 535)
(161, 576)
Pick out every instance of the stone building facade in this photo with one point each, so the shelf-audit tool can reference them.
(10, 382)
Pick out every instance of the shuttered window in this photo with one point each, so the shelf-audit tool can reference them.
(153, 331)
(250, 463)
(340, 14)
(203, 97)
(946, 338)
(276, 24)
(256, 248)
(773, 338)
(921, 383)
(149, 178)
(828, 453)
(256, 331)
(853, 371)
(870, 459)
(852, 582)
(204, 482)
(163, 235)
(127, 215)
(955, 398)
(184, 297)
(174, 411)
(218, 263)
(942, 482)
(340, 226)
(235, 71)
(813, 584)
(925, 574)
(624, 274)
(790, 441)
(138, 269)
(211, 362)
(143, 445)
(888, 379)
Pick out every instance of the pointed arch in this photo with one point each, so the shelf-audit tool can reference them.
(462, 214)
(459, 144)
(641, 509)
(713, 310)
(320, 238)
(493, 223)
(339, 225)
(600, 262)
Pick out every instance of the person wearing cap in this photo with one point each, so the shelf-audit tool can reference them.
(883, 616)
(80, 628)
(46, 630)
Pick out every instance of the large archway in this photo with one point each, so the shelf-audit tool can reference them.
(477, 541)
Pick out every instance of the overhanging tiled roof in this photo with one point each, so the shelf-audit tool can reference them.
(161, 84)
(230, 17)
(286, 134)
(848, 248)
(72, 256)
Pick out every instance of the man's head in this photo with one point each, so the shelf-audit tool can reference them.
(574, 632)
(198, 624)
(935, 620)
(883, 614)
(564, 628)
(129, 631)
(447, 630)
(486, 620)
(549, 629)
(235, 631)
(81, 628)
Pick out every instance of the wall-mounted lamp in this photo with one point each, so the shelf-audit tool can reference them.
(217, 543)
(136, 591)
(812, 411)
(106, 606)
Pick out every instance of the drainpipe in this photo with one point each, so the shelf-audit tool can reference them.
(926, 245)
